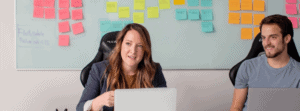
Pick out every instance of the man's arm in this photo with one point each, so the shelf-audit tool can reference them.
(239, 98)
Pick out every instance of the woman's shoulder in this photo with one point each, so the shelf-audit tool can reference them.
(101, 64)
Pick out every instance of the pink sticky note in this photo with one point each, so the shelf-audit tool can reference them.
(38, 12)
(76, 3)
(64, 13)
(291, 1)
(63, 40)
(77, 14)
(64, 26)
(291, 9)
(38, 3)
(294, 21)
(77, 28)
(63, 3)
(49, 3)
(49, 13)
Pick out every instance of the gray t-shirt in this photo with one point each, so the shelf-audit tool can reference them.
(257, 73)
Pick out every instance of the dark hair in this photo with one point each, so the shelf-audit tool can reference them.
(282, 21)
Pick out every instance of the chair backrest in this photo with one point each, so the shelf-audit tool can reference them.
(107, 44)
(256, 50)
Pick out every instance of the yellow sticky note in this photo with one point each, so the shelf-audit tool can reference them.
(234, 5)
(257, 18)
(164, 4)
(246, 5)
(256, 31)
(246, 18)
(259, 5)
(124, 12)
(139, 5)
(152, 12)
(138, 17)
(246, 33)
(234, 18)
(111, 7)
(179, 2)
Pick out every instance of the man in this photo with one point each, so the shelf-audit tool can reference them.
(275, 69)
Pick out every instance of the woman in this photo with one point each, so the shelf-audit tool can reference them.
(129, 66)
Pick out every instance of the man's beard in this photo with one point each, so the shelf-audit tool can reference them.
(269, 55)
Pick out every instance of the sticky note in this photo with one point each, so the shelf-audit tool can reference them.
(139, 5)
(234, 5)
(256, 31)
(246, 18)
(291, 9)
(38, 12)
(63, 3)
(164, 4)
(38, 3)
(291, 1)
(206, 14)
(77, 14)
(152, 12)
(294, 22)
(194, 14)
(193, 2)
(259, 5)
(124, 12)
(64, 14)
(127, 22)
(116, 26)
(179, 2)
(64, 26)
(234, 18)
(76, 3)
(49, 3)
(105, 26)
(207, 26)
(206, 3)
(138, 17)
(257, 18)
(181, 14)
(49, 13)
(63, 40)
(77, 28)
(111, 7)
(246, 4)
(246, 33)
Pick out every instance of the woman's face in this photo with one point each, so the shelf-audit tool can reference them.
(132, 51)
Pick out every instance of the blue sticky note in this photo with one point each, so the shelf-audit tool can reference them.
(206, 14)
(207, 27)
(105, 26)
(193, 2)
(127, 22)
(181, 14)
(206, 3)
(194, 14)
(116, 26)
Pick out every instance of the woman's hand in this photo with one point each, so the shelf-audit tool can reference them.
(105, 99)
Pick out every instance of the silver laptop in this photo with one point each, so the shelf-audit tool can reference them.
(145, 99)
(273, 99)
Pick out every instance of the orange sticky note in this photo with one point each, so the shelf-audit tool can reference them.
(49, 13)
(294, 22)
(259, 5)
(49, 3)
(77, 14)
(234, 5)
(257, 18)
(64, 26)
(246, 18)
(38, 3)
(63, 3)
(64, 13)
(77, 28)
(246, 33)
(246, 5)
(179, 2)
(234, 18)
(63, 40)
(256, 31)
(38, 12)
(76, 3)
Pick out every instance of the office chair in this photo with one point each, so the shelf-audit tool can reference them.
(107, 43)
(257, 50)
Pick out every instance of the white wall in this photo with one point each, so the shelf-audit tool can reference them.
(198, 90)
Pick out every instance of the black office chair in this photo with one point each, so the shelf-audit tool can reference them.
(257, 50)
(107, 43)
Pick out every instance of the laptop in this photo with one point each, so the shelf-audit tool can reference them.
(145, 99)
(273, 99)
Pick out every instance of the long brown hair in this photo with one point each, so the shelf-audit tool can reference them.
(145, 70)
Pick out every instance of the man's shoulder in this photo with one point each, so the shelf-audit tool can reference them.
(295, 64)
(257, 61)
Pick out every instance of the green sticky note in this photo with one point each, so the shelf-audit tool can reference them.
(139, 5)
(127, 22)
(206, 3)
(111, 7)
(164, 4)
(124, 12)
(105, 26)
(207, 27)
(193, 2)
(181, 14)
(152, 12)
(194, 14)
(206, 14)
(138, 17)
(116, 26)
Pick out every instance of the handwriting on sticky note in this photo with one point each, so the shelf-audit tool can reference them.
(63, 40)
(139, 5)
(291, 1)
(38, 12)
(164, 4)
(138, 17)
(258, 5)
(152, 12)
(257, 18)
(64, 14)
(77, 14)
(246, 33)
(64, 26)
(116, 25)
(207, 27)
(38, 3)
(206, 3)
(256, 31)
(193, 2)
(234, 5)
(246, 4)
(179, 2)
(127, 22)
(76, 3)
(77, 28)
(105, 26)
(291, 9)
(294, 22)
(194, 14)
(234, 18)
(124, 12)
(181, 14)
(206, 14)
(49, 13)
(246, 18)
(63, 3)
(49, 3)
(111, 7)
